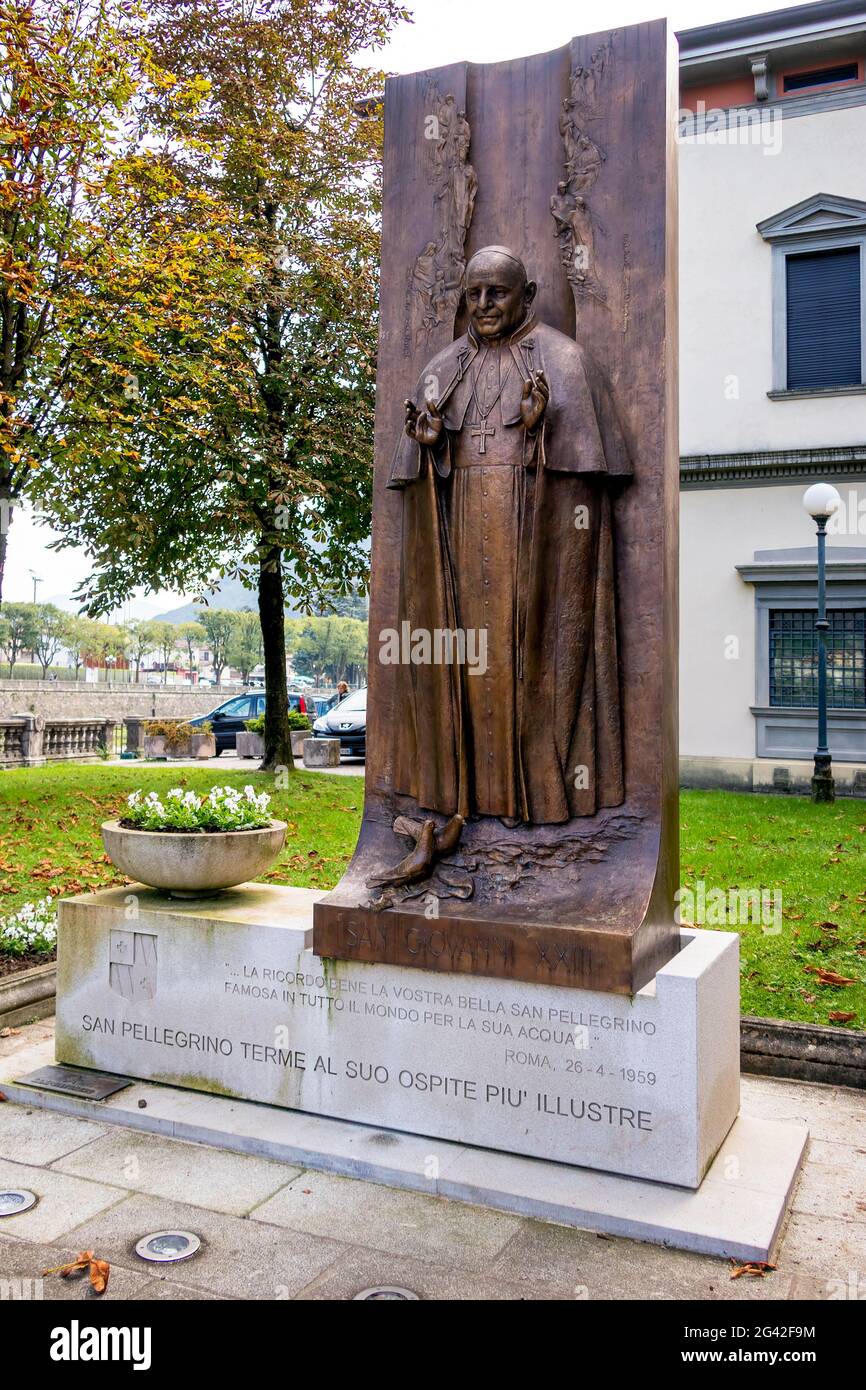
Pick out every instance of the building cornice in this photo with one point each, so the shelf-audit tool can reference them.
(777, 26)
(738, 118)
(770, 467)
(769, 572)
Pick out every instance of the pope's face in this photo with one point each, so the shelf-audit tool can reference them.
(495, 297)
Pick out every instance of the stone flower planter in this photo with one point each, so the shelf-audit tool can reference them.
(197, 746)
(192, 864)
(249, 745)
(27, 995)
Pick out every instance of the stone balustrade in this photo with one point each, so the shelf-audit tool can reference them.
(29, 740)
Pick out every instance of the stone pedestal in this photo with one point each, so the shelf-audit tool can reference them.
(321, 752)
(32, 739)
(647, 1086)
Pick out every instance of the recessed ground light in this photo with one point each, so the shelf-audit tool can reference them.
(15, 1200)
(382, 1292)
(166, 1247)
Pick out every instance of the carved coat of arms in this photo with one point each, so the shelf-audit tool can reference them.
(132, 964)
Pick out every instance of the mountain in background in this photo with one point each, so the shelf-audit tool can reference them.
(133, 608)
(232, 595)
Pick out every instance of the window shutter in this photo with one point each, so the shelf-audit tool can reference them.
(823, 296)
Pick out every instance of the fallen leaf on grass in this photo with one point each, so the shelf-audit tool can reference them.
(829, 977)
(98, 1270)
(828, 926)
(838, 1017)
(754, 1269)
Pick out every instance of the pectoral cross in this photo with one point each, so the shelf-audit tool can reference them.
(482, 434)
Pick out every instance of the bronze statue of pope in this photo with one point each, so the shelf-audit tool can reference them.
(508, 461)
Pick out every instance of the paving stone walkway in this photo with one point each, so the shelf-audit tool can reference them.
(272, 1231)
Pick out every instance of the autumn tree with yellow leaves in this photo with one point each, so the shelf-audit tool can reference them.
(247, 449)
(105, 250)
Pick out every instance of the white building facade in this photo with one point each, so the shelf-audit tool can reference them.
(772, 391)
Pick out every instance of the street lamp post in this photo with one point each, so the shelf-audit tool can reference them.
(821, 500)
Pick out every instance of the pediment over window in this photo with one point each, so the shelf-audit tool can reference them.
(823, 213)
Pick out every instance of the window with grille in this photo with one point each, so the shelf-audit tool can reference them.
(824, 319)
(794, 658)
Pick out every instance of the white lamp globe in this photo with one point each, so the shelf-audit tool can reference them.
(821, 499)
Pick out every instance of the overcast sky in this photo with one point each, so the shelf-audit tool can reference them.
(444, 31)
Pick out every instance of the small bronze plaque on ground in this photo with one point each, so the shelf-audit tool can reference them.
(70, 1081)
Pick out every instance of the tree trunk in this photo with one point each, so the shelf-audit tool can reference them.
(5, 523)
(278, 744)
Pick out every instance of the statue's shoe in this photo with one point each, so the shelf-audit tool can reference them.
(417, 863)
(444, 840)
(448, 837)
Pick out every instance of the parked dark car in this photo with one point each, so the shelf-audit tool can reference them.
(347, 721)
(324, 703)
(229, 718)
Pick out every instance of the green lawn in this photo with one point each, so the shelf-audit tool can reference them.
(816, 857)
(50, 819)
(50, 843)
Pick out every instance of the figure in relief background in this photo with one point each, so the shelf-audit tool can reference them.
(437, 275)
(584, 161)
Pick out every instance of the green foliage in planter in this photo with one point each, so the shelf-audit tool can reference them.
(298, 723)
(175, 731)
